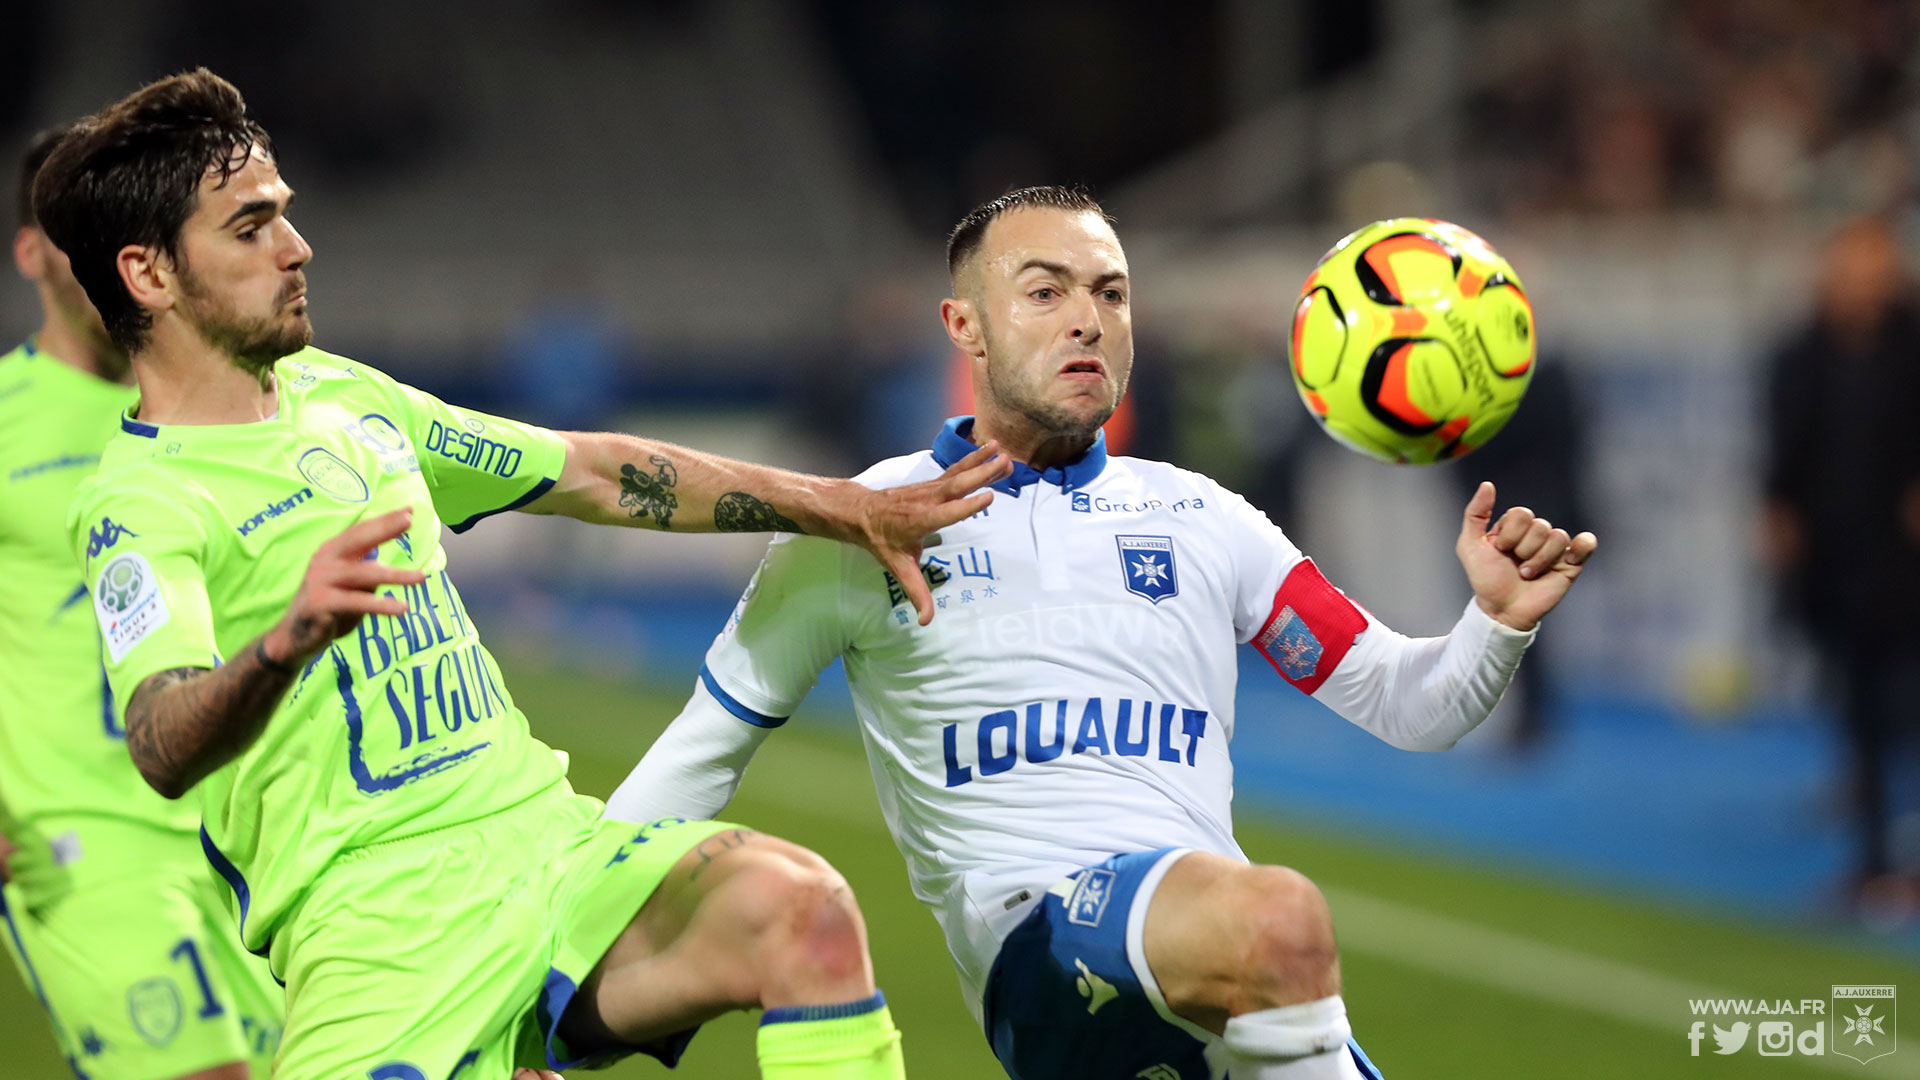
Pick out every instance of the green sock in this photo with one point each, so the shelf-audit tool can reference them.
(855, 1041)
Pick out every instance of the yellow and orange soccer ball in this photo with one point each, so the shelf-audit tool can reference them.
(1413, 341)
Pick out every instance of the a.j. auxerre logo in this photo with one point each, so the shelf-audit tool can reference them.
(1147, 565)
(1864, 1022)
(128, 602)
(1856, 1022)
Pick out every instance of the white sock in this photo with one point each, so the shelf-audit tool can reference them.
(1295, 1042)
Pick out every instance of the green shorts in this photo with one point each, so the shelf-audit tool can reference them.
(141, 971)
(453, 955)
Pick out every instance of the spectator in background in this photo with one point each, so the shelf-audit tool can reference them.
(1842, 519)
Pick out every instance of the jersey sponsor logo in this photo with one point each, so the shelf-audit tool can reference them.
(128, 602)
(1312, 626)
(435, 678)
(1003, 739)
(105, 535)
(274, 510)
(383, 437)
(154, 1007)
(473, 449)
(1091, 504)
(1147, 565)
(324, 470)
(64, 461)
(934, 570)
(1088, 904)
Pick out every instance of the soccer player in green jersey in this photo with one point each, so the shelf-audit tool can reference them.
(263, 544)
(111, 914)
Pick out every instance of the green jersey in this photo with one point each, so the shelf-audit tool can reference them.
(195, 540)
(62, 752)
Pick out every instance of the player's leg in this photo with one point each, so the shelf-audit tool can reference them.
(1247, 952)
(242, 983)
(127, 975)
(743, 921)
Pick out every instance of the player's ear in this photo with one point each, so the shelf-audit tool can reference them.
(27, 256)
(962, 321)
(146, 275)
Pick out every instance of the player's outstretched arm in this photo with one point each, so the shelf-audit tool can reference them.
(184, 723)
(1520, 566)
(613, 479)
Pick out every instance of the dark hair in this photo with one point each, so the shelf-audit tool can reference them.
(967, 236)
(38, 148)
(131, 174)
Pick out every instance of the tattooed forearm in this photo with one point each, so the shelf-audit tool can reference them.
(643, 494)
(184, 723)
(737, 511)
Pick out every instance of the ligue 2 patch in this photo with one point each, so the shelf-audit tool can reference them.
(1311, 628)
(128, 602)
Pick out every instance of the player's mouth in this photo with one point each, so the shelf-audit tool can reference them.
(1083, 369)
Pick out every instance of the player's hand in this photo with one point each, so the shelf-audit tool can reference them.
(1519, 566)
(339, 589)
(6, 852)
(895, 522)
(535, 1074)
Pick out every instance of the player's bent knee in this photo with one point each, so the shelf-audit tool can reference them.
(796, 922)
(1289, 940)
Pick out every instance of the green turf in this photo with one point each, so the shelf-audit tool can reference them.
(1418, 1019)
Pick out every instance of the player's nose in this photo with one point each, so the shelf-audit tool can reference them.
(1086, 328)
(298, 252)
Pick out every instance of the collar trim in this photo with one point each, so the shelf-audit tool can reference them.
(955, 441)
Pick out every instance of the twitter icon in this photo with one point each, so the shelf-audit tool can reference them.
(1730, 1042)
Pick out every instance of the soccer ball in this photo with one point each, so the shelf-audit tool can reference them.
(1413, 341)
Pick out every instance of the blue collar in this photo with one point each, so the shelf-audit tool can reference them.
(134, 427)
(955, 442)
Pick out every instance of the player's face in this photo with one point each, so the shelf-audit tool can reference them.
(240, 284)
(1056, 325)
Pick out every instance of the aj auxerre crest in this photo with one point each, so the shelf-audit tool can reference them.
(1147, 566)
(1864, 1022)
(1088, 904)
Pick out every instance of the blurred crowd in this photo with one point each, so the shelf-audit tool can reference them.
(1759, 106)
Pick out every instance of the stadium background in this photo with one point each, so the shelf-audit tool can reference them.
(720, 223)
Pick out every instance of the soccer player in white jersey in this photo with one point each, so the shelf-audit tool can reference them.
(1052, 752)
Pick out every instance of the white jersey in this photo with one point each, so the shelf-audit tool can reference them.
(1073, 697)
